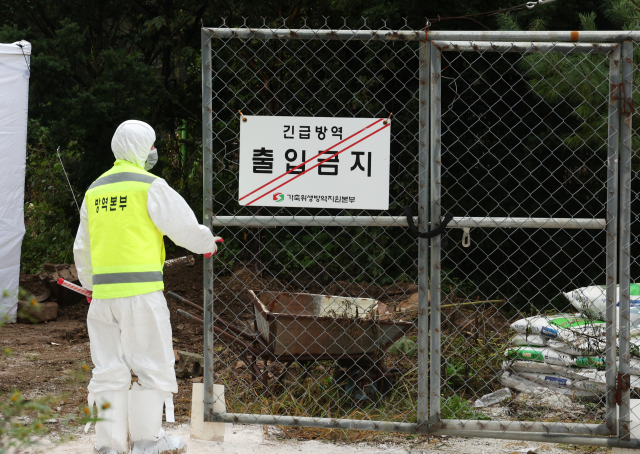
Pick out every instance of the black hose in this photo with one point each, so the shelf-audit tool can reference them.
(431, 233)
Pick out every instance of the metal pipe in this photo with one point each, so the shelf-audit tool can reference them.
(418, 35)
(423, 243)
(186, 314)
(328, 423)
(588, 440)
(260, 354)
(401, 221)
(184, 301)
(311, 34)
(528, 223)
(435, 198)
(525, 47)
(559, 36)
(230, 326)
(624, 258)
(453, 426)
(510, 429)
(207, 210)
(611, 237)
(310, 221)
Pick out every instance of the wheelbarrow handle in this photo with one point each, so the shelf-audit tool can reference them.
(431, 233)
(238, 331)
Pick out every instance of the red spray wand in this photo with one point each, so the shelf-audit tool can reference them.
(76, 288)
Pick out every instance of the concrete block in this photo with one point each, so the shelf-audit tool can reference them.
(189, 364)
(46, 312)
(210, 431)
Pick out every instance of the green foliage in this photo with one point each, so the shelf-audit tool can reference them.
(50, 212)
(23, 421)
(623, 13)
(545, 157)
(457, 285)
(96, 65)
(472, 362)
(319, 396)
(578, 80)
(15, 434)
(456, 407)
(454, 369)
(405, 346)
(588, 21)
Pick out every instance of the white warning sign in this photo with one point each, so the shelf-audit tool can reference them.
(321, 162)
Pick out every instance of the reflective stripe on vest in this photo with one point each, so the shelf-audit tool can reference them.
(127, 249)
(127, 278)
(122, 177)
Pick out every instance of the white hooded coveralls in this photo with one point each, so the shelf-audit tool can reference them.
(134, 333)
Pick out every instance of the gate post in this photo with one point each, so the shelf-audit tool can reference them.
(423, 243)
(207, 202)
(624, 251)
(611, 236)
(436, 260)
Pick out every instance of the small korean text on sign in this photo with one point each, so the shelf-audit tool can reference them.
(322, 162)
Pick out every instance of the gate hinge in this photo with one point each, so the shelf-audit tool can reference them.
(623, 384)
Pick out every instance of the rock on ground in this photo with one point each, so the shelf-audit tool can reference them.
(45, 312)
(542, 397)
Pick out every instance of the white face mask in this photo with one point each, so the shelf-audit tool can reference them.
(152, 160)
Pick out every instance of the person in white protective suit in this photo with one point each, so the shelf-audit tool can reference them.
(119, 254)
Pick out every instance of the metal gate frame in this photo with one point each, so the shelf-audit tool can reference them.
(615, 433)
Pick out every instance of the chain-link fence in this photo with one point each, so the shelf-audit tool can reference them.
(525, 134)
(323, 289)
(341, 319)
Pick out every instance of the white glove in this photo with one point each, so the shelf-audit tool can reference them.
(216, 240)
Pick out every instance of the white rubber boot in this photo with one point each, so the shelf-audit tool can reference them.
(145, 422)
(112, 431)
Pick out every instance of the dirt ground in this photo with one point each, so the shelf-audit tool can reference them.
(243, 439)
(48, 359)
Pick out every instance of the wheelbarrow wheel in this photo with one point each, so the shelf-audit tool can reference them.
(363, 380)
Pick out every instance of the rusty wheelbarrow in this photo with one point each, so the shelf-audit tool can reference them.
(304, 328)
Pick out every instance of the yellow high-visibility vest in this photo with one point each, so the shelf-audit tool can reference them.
(127, 249)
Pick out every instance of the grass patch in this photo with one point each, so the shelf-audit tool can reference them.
(456, 407)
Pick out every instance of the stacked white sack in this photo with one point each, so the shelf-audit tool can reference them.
(553, 376)
(572, 334)
(592, 301)
(544, 367)
(548, 350)
(515, 381)
(528, 339)
(553, 357)
(561, 327)
(566, 351)
(560, 352)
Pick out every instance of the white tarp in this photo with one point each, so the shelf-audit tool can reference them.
(14, 94)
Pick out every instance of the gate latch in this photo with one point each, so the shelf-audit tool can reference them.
(623, 384)
(430, 234)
